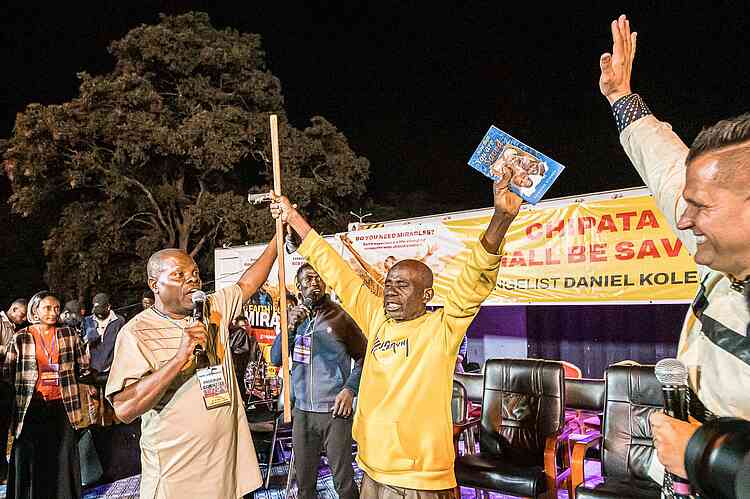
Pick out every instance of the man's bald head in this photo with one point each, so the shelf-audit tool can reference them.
(173, 276)
(422, 274)
(407, 290)
(156, 261)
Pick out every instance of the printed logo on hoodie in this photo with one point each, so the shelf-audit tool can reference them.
(389, 351)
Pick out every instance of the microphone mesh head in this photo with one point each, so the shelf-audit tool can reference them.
(198, 297)
(671, 372)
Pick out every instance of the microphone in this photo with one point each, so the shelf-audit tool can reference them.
(199, 298)
(673, 376)
(306, 304)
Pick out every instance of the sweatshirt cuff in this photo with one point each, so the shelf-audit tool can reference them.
(484, 257)
(628, 109)
(310, 240)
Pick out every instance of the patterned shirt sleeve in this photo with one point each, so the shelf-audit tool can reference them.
(628, 109)
(130, 363)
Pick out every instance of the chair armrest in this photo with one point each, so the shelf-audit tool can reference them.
(459, 428)
(551, 445)
(563, 436)
(464, 425)
(580, 445)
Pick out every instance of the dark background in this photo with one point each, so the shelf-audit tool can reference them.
(414, 88)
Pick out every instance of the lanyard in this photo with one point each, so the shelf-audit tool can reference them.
(48, 352)
(310, 326)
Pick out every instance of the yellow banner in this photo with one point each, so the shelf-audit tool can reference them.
(594, 250)
(615, 250)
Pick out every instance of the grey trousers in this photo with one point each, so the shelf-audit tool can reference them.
(316, 431)
(376, 490)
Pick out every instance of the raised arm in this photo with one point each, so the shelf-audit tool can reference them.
(655, 150)
(478, 277)
(355, 296)
(254, 277)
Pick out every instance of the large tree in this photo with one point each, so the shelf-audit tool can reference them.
(162, 151)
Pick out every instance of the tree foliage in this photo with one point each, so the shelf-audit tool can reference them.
(162, 151)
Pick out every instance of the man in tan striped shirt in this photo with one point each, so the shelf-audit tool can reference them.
(187, 450)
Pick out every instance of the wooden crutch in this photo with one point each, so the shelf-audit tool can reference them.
(286, 385)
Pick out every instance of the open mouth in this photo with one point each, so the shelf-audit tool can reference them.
(700, 238)
(392, 307)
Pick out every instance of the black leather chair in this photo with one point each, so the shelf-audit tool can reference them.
(631, 393)
(459, 402)
(459, 412)
(520, 429)
(474, 385)
(585, 396)
(584, 407)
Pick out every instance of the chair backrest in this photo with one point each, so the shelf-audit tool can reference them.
(459, 402)
(571, 370)
(632, 394)
(584, 394)
(524, 403)
(474, 385)
(473, 367)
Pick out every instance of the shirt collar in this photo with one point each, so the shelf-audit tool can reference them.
(739, 285)
(112, 316)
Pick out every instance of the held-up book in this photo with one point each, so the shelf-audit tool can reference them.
(533, 172)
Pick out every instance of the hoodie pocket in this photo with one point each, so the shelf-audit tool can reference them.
(381, 447)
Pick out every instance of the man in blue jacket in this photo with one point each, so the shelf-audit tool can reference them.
(323, 342)
(100, 331)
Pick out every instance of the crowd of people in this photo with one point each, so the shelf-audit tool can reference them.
(65, 372)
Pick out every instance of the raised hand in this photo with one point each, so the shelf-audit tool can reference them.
(616, 67)
(505, 202)
(281, 207)
(296, 316)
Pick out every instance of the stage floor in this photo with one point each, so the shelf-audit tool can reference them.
(128, 488)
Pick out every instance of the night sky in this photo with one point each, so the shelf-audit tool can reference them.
(415, 88)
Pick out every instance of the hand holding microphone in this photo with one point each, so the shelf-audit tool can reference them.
(193, 339)
(672, 430)
(297, 315)
(199, 352)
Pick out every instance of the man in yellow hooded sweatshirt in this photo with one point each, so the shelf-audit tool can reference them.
(403, 420)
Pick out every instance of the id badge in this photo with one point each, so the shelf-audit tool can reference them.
(50, 376)
(302, 349)
(213, 387)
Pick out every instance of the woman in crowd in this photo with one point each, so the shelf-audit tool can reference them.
(42, 363)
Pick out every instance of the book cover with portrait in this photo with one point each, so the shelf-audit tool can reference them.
(533, 172)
